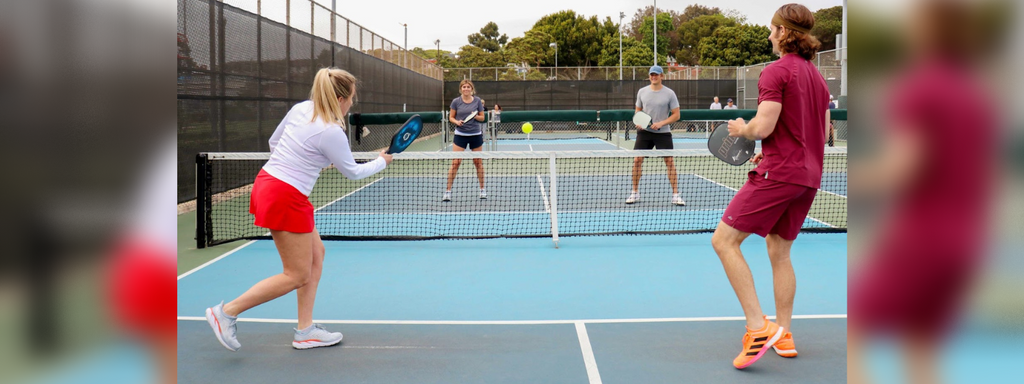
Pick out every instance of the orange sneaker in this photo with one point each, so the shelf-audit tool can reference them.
(785, 346)
(757, 342)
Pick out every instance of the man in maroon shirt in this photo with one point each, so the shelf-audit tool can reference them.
(791, 122)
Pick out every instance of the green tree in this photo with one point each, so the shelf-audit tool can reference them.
(634, 53)
(664, 26)
(673, 36)
(473, 56)
(579, 38)
(735, 15)
(739, 45)
(828, 22)
(633, 28)
(489, 38)
(532, 48)
(428, 53)
(693, 31)
(696, 10)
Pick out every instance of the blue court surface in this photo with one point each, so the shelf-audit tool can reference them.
(611, 309)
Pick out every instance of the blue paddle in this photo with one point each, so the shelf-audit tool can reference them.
(406, 134)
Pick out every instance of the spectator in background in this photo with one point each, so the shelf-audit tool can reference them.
(730, 105)
(832, 102)
(716, 104)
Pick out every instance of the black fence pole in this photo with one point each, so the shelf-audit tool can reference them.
(203, 201)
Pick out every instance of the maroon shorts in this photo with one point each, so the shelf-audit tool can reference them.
(279, 206)
(765, 206)
(917, 278)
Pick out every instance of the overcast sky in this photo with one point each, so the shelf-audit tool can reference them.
(452, 21)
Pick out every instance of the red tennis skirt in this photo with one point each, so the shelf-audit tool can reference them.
(279, 206)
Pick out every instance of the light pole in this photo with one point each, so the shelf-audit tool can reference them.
(437, 62)
(655, 32)
(621, 16)
(556, 58)
(437, 59)
(405, 55)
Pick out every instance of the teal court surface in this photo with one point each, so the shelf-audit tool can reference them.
(599, 309)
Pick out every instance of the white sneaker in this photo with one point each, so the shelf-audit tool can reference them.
(315, 336)
(677, 200)
(447, 196)
(633, 197)
(483, 194)
(223, 327)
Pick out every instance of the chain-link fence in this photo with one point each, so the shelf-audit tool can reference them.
(829, 64)
(589, 94)
(520, 73)
(243, 63)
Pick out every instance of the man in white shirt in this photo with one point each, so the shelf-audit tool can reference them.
(730, 105)
(716, 104)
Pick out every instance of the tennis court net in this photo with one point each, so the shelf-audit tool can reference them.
(528, 194)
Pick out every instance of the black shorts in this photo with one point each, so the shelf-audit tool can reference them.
(649, 140)
(469, 142)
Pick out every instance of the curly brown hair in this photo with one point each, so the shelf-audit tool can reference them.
(797, 39)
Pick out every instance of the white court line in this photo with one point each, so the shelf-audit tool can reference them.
(432, 213)
(720, 184)
(206, 264)
(547, 208)
(588, 354)
(547, 203)
(495, 176)
(516, 322)
(736, 190)
(348, 194)
(832, 193)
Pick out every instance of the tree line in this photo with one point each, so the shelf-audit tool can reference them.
(699, 35)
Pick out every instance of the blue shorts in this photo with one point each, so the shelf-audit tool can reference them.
(469, 142)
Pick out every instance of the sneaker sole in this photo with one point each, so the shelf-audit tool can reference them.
(215, 324)
(785, 352)
(771, 343)
(308, 344)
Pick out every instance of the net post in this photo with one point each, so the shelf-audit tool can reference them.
(554, 199)
(444, 131)
(203, 199)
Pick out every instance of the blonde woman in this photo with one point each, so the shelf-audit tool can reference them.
(310, 138)
(468, 134)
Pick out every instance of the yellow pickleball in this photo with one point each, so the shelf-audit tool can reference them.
(527, 128)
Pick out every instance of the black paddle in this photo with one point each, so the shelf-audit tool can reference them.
(732, 150)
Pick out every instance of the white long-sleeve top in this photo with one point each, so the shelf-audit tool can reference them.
(300, 148)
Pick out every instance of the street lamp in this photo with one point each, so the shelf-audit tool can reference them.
(655, 32)
(405, 55)
(556, 58)
(437, 59)
(621, 16)
(437, 62)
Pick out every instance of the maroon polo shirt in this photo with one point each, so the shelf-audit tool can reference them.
(795, 152)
